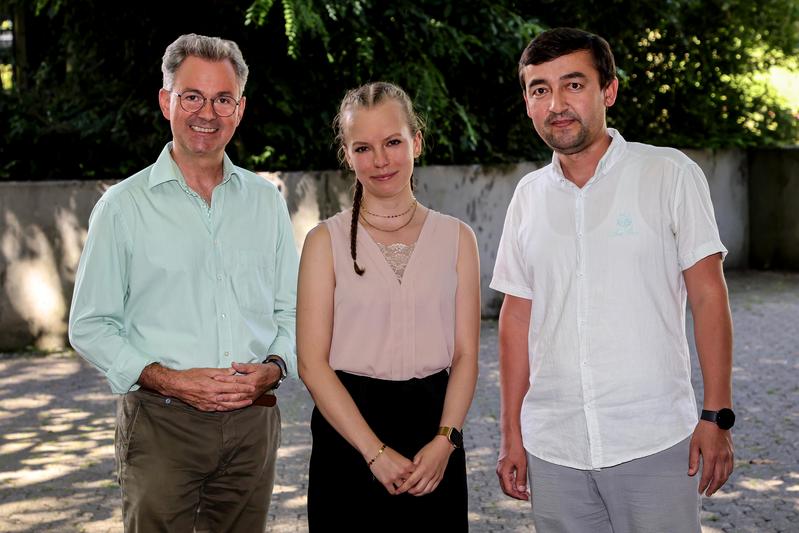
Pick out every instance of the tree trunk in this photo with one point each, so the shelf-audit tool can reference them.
(20, 47)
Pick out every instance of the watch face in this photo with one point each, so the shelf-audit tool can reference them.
(456, 438)
(725, 418)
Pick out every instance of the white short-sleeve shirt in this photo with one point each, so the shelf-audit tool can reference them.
(609, 362)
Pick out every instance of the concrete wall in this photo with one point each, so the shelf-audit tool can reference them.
(727, 177)
(42, 231)
(774, 208)
(43, 228)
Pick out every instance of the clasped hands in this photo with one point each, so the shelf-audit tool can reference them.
(419, 476)
(222, 389)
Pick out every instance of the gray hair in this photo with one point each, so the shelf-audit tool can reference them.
(210, 48)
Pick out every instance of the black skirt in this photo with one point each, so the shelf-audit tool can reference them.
(343, 495)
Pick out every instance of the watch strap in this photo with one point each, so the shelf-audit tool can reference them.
(277, 360)
(454, 436)
(724, 418)
(709, 416)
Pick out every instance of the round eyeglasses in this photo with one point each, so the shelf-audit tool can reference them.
(193, 102)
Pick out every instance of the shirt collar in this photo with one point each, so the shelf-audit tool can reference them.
(165, 169)
(614, 152)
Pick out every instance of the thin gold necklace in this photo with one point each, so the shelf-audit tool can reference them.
(411, 206)
(413, 214)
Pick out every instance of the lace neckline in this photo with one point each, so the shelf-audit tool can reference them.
(397, 256)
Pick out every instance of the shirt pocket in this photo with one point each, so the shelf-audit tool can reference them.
(253, 282)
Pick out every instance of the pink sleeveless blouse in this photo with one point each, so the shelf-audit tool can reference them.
(386, 329)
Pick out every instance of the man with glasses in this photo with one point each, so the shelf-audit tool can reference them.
(185, 300)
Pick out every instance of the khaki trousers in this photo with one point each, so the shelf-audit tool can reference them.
(184, 470)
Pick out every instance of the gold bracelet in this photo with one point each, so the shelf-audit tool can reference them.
(382, 447)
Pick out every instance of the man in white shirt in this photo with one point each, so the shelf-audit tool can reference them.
(608, 242)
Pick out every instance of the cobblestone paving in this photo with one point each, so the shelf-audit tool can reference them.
(57, 428)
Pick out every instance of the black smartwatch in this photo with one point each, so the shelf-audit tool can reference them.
(723, 418)
(454, 436)
(274, 359)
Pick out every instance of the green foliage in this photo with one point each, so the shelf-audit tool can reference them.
(691, 75)
(88, 108)
(692, 68)
(458, 63)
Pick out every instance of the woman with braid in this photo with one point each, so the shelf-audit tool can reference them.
(388, 325)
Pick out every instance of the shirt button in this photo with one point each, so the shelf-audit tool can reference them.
(227, 354)
(579, 275)
(219, 278)
(223, 315)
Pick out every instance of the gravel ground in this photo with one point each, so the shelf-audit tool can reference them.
(57, 430)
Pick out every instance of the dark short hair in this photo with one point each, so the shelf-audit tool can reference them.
(558, 42)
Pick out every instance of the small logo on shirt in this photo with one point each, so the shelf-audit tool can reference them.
(624, 225)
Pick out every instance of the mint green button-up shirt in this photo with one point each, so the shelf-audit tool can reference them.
(166, 278)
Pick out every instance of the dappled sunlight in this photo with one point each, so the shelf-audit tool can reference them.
(480, 453)
(290, 425)
(40, 262)
(57, 431)
(15, 447)
(285, 489)
(63, 414)
(726, 493)
(299, 502)
(72, 238)
(26, 476)
(96, 484)
(19, 436)
(23, 379)
(284, 452)
(91, 397)
(760, 485)
(33, 513)
(306, 217)
(56, 447)
(275, 179)
(65, 450)
(24, 402)
(99, 425)
(32, 283)
(509, 504)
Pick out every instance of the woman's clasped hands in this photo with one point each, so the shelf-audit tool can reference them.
(421, 476)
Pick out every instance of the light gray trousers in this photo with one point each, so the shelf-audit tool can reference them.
(653, 494)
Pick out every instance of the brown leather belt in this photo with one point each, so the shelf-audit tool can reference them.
(267, 399)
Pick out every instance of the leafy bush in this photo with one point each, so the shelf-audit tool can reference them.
(690, 72)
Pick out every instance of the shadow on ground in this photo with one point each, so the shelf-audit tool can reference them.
(57, 426)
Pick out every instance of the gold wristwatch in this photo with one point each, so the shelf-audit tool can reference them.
(454, 436)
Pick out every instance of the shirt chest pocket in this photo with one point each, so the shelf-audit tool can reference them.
(253, 281)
